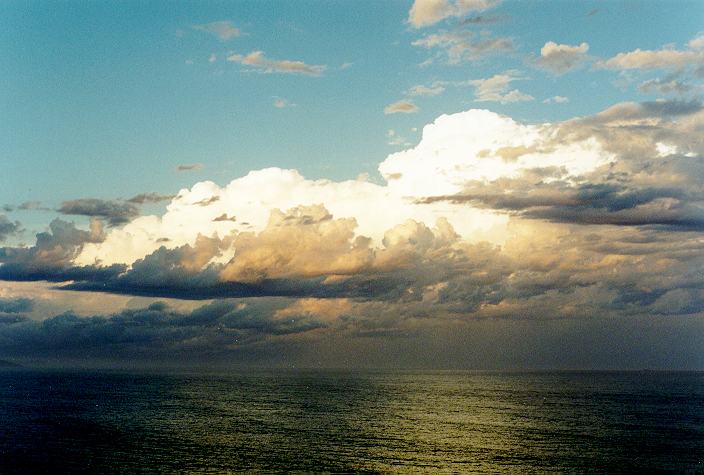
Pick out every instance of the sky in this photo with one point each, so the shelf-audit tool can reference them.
(476, 184)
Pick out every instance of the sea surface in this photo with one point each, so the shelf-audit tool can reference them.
(408, 421)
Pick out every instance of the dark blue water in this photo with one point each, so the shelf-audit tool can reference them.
(350, 421)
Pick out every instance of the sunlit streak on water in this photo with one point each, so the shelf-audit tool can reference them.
(351, 421)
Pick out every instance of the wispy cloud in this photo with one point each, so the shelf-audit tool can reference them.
(282, 103)
(434, 89)
(464, 45)
(401, 107)
(257, 60)
(152, 197)
(497, 89)
(186, 167)
(429, 12)
(224, 30)
(556, 100)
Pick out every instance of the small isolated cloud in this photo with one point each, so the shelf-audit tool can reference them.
(496, 89)
(464, 45)
(224, 217)
(258, 61)
(115, 212)
(282, 103)
(213, 57)
(149, 198)
(561, 58)
(556, 100)
(401, 107)
(224, 30)
(428, 12)
(483, 20)
(7, 227)
(434, 89)
(187, 167)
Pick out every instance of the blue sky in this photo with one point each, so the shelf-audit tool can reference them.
(99, 100)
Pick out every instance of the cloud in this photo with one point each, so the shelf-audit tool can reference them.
(30, 205)
(683, 67)
(561, 58)
(8, 228)
(486, 219)
(648, 176)
(258, 61)
(428, 12)
(483, 20)
(464, 45)
(402, 107)
(187, 167)
(666, 85)
(696, 43)
(556, 100)
(224, 217)
(282, 103)
(496, 89)
(667, 59)
(224, 30)
(152, 197)
(52, 257)
(155, 331)
(394, 138)
(433, 90)
(15, 305)
(115, 212)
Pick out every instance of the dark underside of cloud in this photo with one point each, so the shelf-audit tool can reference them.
(114, 212)
(8, 228)
(253, 332)
(156, 330)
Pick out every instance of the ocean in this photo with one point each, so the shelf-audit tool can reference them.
(349, 421)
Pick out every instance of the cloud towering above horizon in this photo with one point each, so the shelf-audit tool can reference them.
(539, 185)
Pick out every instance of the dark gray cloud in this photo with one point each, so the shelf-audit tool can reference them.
(115, 212)
(225, 217)
(152, 197)
(186, 167)
(15, 305)
(484, 20)
(155, 331)
(8, 228)
(51, 258)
